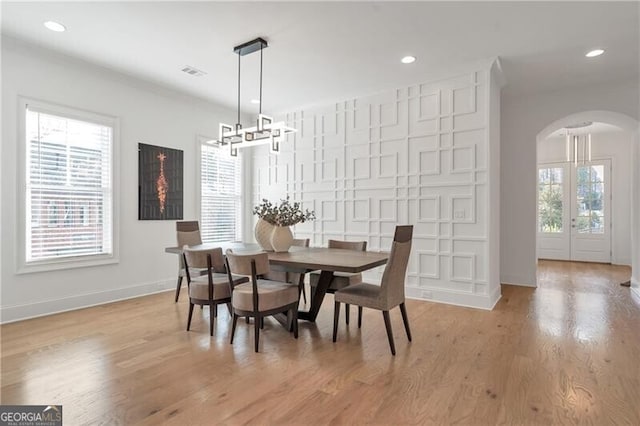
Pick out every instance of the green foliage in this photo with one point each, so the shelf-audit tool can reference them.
(283, 214)
(550, 209)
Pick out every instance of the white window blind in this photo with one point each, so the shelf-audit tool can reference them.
(69, 190)
(220, 195)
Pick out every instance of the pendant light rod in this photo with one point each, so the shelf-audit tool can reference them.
(246, 49)
(260, 107)
(238, 122)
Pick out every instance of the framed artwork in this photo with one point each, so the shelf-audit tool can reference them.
(160, 182)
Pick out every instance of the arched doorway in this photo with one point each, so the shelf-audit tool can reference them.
(632, 126)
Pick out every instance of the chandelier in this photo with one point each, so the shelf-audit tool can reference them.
(579, 136)
(266, 131)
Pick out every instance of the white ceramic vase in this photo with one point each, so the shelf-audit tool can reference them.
(281, 238)
(263, 233)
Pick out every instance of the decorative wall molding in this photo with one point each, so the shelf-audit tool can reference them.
(415, 155)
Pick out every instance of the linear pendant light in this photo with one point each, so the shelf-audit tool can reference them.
(266, 131)
(579, 135)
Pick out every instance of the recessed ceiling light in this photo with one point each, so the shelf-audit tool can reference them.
(408, 59)
(55, 26)
(594, 53)
(255, 101)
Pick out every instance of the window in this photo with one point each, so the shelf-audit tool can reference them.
(550, 200)
(220, 194)
(590, 199)
(68, 197)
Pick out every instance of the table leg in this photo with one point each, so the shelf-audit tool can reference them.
(316, 300)
(283, 319)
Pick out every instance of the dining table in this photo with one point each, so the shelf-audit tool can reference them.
(306, 259)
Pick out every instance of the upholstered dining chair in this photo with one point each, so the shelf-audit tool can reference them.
(211, 289)
(386, 296)
(187, 234)
(340, 279)
(291, 277)
(259, 297)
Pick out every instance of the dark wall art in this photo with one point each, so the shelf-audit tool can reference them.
(160, 180)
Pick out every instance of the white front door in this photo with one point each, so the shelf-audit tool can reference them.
(574, 205)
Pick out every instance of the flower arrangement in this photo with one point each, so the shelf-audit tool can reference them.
(283, 214)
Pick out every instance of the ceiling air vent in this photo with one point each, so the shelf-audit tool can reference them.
(193, 71)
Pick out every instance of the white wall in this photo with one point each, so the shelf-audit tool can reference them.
(617, 147)
(148, 114)
(418, 155)
(495, 87)
(635, 199)
(522, 118)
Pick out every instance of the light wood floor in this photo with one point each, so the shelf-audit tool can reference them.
(565, 353)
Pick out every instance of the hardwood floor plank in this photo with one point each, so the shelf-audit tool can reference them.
(563, 353)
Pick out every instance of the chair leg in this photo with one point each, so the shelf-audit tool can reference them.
(405, 319)
(387, 324)
(336, 317)
(257, 322)
(178, 288)
(212, 315)
(215, 310)
(246, 319)
(359, 316)
(290, 320)
(233, 327)
(304, 293)
(229, 308)
(261, 323)
(295, 322)
(190, 315)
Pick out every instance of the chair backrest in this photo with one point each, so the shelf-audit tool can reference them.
(392, 287)
(199, 259)
(240, 264)
(348, 245)
(188, 233)
(300, 242)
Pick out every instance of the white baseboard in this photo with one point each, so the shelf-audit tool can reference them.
(467, 300)
(520, 280)
(48, 307)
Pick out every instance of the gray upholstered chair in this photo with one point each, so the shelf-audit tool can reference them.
(187, 234)
(340, 279)
(291, 277)
(259, 297)
(211, 289)
(386, 296)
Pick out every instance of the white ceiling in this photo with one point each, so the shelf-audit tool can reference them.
(332, 51)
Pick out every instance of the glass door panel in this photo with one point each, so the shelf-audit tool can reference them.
(554, 201)
(550, 202)
(591, 239)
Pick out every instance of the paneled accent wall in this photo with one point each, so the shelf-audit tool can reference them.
(415, 155)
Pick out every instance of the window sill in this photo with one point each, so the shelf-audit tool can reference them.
(71, 263)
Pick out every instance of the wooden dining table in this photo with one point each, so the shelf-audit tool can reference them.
(306, 259)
